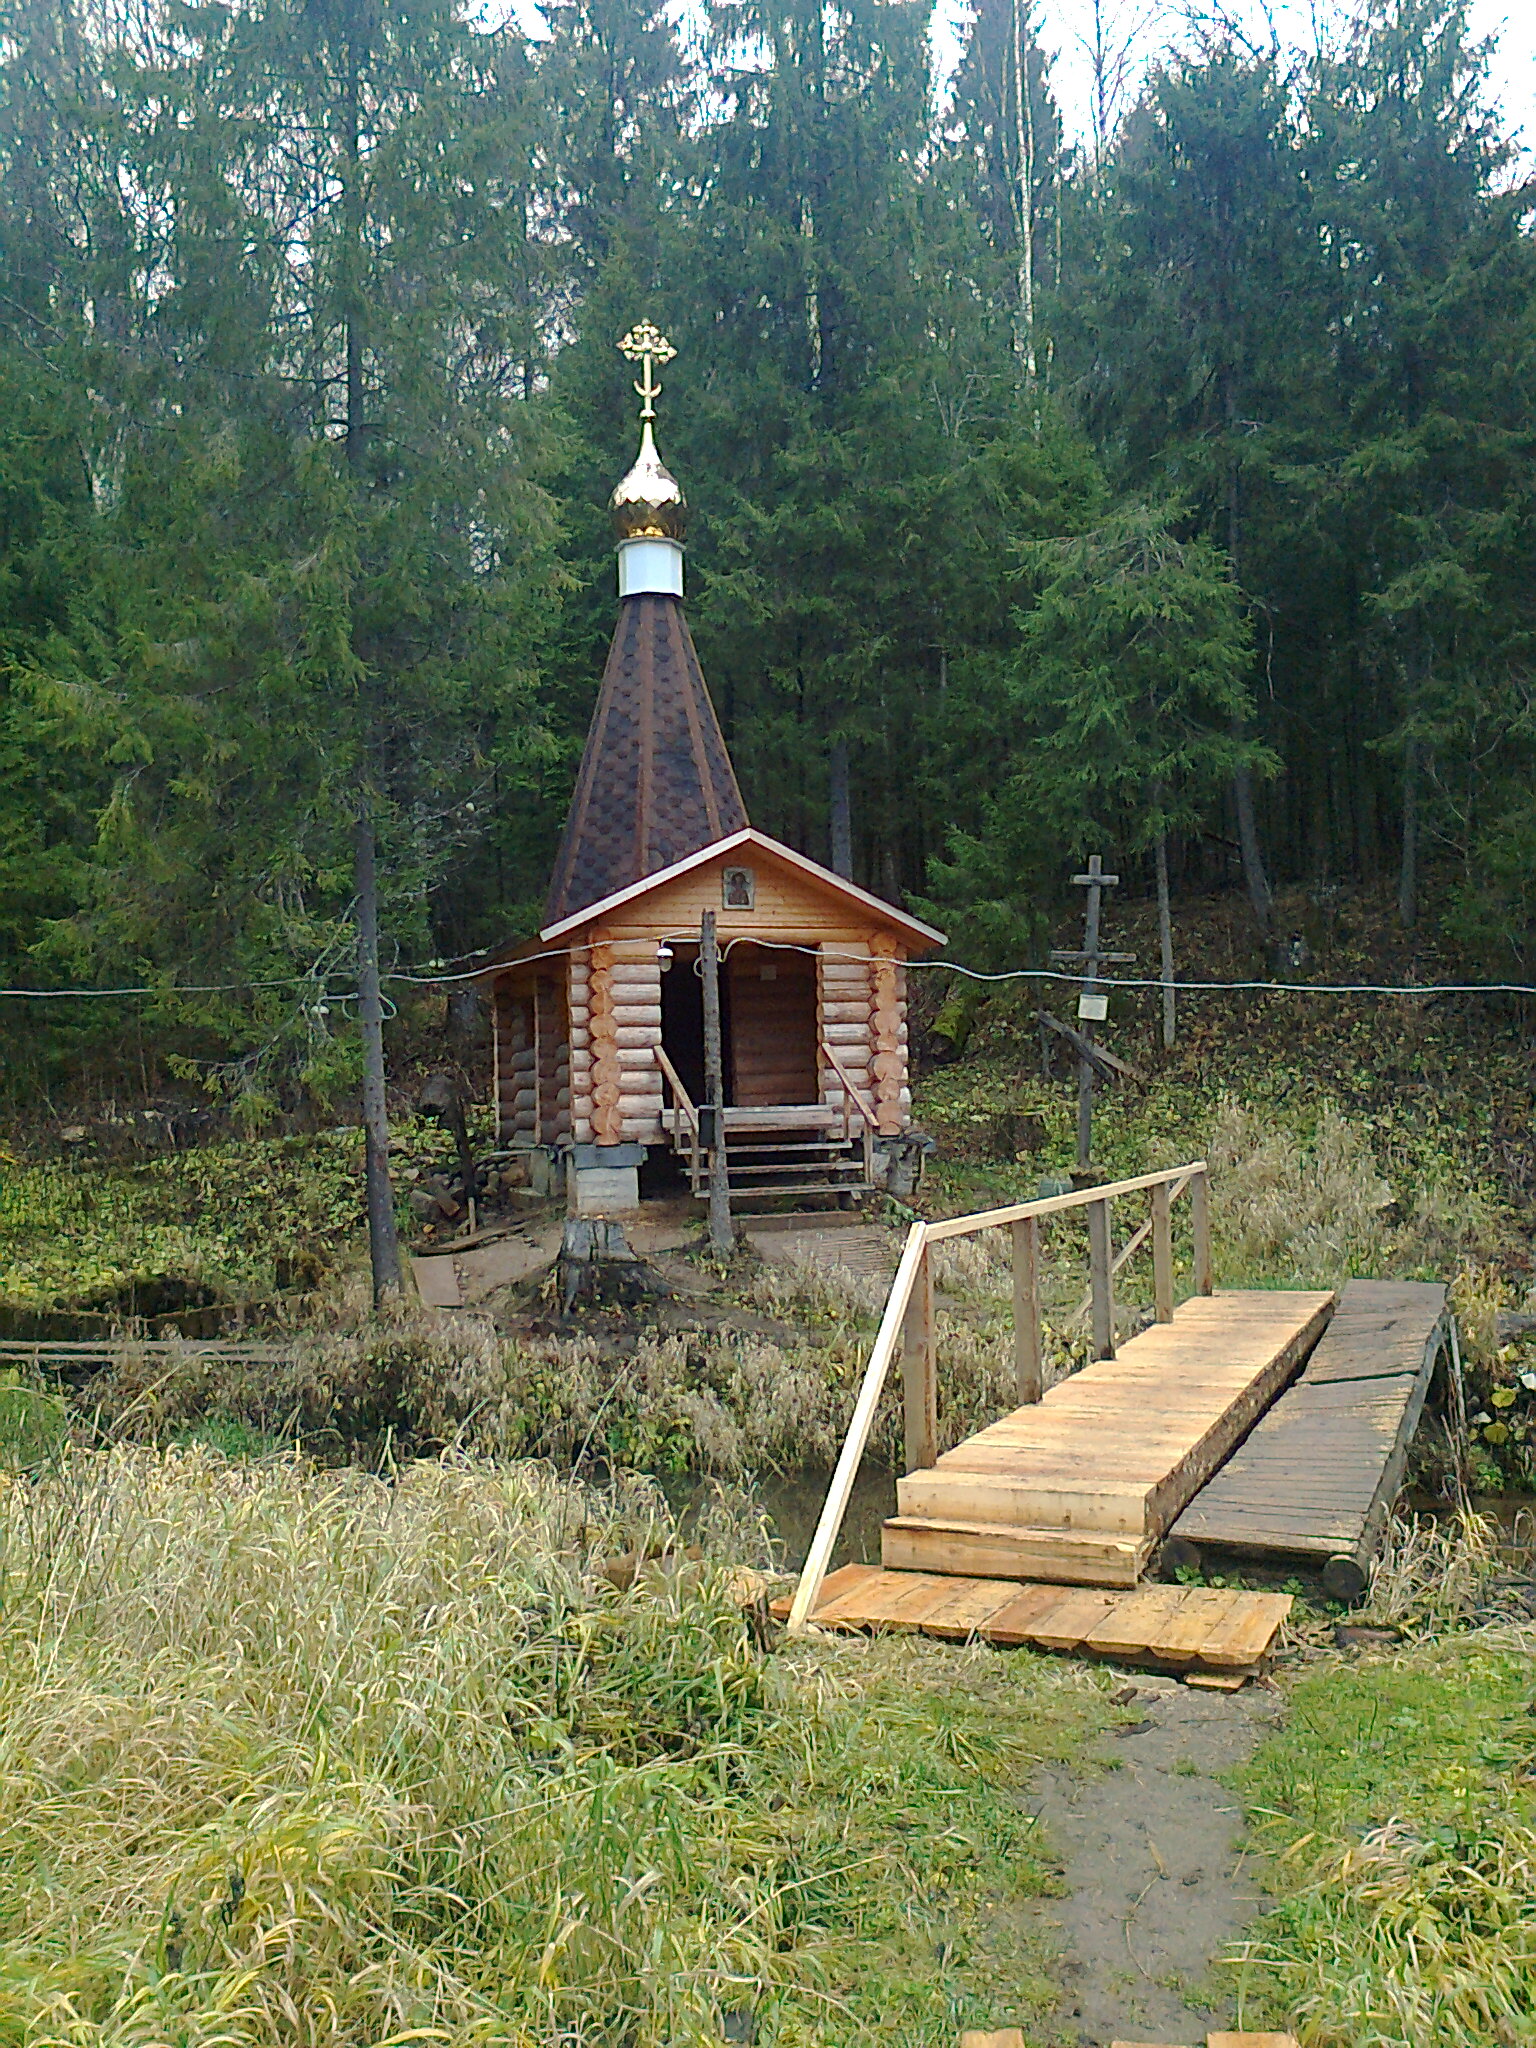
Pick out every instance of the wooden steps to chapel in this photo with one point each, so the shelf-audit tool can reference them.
(1079, 1487)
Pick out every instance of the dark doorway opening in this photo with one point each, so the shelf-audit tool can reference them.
(682, 1022)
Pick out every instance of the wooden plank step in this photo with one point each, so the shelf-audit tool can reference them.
(970, 1604)
(982, 1551)
(1224, 2040)
(740, 1172)
(1209, 1634)
(1056, 1499)
(813, 1149)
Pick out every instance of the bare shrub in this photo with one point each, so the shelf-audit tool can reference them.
(1303, 1215)
(801, 1287)
(978, 1267)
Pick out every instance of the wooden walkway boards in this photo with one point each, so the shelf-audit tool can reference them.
(1210, 1636)
(1317, 1478)
(1079, 1487)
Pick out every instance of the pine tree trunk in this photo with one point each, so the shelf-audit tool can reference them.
(840, 811)
(1256, 879)
(890, 871)
(1408, 867)
(383, 1239)
(1254, 875)
(1165, 942)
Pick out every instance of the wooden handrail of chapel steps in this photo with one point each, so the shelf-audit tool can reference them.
(684, 1099)
(851, 1091)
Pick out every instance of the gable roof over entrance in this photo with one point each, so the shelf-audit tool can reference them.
(748, 842)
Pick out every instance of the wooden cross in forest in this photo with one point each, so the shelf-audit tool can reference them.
(647, 345)
(1092, 1006)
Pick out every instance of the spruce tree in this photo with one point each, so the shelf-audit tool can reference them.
(323, 552)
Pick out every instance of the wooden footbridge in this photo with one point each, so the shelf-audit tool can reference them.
(1253, 1422)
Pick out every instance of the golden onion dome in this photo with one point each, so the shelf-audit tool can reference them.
(648, 504)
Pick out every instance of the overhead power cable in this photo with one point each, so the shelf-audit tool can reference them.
(211, 988)
(1296, 988)
(422, 977)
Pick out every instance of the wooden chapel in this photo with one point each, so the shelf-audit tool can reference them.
(599, 1018)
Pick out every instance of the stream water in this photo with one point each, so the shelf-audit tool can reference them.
(793, 1502)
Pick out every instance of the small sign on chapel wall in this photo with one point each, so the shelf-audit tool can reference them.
(738, 889)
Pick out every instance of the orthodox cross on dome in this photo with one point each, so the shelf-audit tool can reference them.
(647, 345)
(649, 503)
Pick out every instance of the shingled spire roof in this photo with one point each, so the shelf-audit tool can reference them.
(656, 782)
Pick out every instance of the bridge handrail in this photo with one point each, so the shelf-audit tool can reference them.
(1051, 1205)
(907, 1320)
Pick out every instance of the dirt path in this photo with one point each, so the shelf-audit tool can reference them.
(1153, 1855)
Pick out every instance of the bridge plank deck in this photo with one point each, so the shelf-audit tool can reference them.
(1317, 1477)
(1079, 1486)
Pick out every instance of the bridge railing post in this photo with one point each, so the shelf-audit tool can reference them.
(1162, 1253)
(1200, 1220)
(1028, 1365)
(1101, 1276)
(919, 1373)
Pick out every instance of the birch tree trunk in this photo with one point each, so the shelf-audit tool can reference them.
(1024, 188)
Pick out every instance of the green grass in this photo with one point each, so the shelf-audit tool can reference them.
(231, 1437)
(1399, 1801)
(289, 1756)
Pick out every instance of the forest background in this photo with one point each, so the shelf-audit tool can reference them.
(1170, 493)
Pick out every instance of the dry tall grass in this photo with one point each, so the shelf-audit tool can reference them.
(297, 1757)
(300, 1759)
(1309, 1215)
(718, 1402)
(1432, 1571)
(974, 1268)
(802, 1288)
